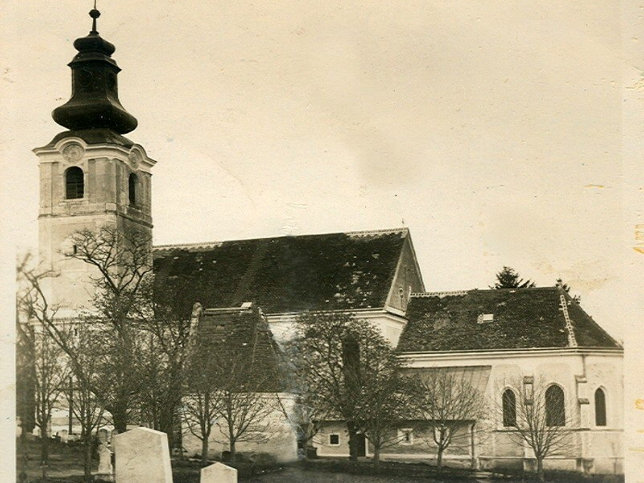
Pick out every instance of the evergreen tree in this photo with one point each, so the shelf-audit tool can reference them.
(509, 278)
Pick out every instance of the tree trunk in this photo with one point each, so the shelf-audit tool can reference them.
(44, 451)
(233, 454)
(119, 418)
(439, 459)
(87, 458)
(22, 476)
(204, 450)
(540, 473)
(376, 457)
(353, 441)
(166, 423)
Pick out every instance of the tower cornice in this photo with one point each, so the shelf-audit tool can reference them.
(73, 149)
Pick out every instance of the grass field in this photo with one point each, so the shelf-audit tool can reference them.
(66, 465)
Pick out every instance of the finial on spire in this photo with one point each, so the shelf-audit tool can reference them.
(94, 14)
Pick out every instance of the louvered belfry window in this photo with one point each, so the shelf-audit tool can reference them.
(132, 182)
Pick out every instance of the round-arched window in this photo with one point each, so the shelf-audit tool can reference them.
(74, 183)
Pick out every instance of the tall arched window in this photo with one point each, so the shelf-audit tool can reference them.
(555, 407)
(74, 183)
(600, 408)
(132, 181)
(509, 408)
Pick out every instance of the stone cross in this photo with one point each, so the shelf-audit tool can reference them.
(218, 473)
(142, 456)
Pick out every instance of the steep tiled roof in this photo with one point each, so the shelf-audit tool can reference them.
(286, 274)
(521, 318)
(243, 333)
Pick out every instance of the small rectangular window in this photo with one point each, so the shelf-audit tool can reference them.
(334, 439)
(406, 436)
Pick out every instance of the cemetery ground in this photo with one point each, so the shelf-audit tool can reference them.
(65, 465)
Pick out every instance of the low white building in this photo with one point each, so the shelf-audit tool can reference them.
(510, 343)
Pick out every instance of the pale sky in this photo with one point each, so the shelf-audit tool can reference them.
(493, 129)
(501, 132)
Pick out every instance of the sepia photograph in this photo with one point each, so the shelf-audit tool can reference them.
(301, 241)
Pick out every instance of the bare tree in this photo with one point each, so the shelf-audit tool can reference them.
(337, 359)
(62, 349)
(200, 411)
(233, 381)
(245, 407)
(538, 418)
(169, 332)
(47, 366)
(86, 406)
(202, 402)
(122, 281)
(146, 327)
(386, 402)
(142, 329)
(123, 269)
(447, 400)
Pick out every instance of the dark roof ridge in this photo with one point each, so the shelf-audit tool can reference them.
(404, 231)
(447, 293)
(511, 349)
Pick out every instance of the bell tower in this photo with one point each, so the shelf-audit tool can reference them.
(91, 176)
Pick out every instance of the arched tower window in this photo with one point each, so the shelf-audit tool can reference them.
(600, 408)
(132, 182)
(509, 408)
(74, 183)
(555, 407)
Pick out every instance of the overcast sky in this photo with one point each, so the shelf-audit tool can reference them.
(493, 130)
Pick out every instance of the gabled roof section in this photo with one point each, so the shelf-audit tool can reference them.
(242, 332)
(497, 320)
(352, 270)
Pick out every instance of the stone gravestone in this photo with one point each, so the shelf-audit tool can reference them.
(218, 473)
(104, 472)
(142, 456)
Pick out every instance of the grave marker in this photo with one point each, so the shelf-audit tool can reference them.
(218, 473)
(142, 456)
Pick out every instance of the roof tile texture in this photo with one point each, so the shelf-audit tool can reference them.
(522, 318)
(286, 274)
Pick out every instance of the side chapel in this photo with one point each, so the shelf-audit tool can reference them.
(91, 176)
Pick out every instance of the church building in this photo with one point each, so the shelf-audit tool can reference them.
(92, 176)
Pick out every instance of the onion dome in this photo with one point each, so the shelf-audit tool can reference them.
(94, 103)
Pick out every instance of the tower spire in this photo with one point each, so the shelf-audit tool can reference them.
(94, 103)
(94, 13)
